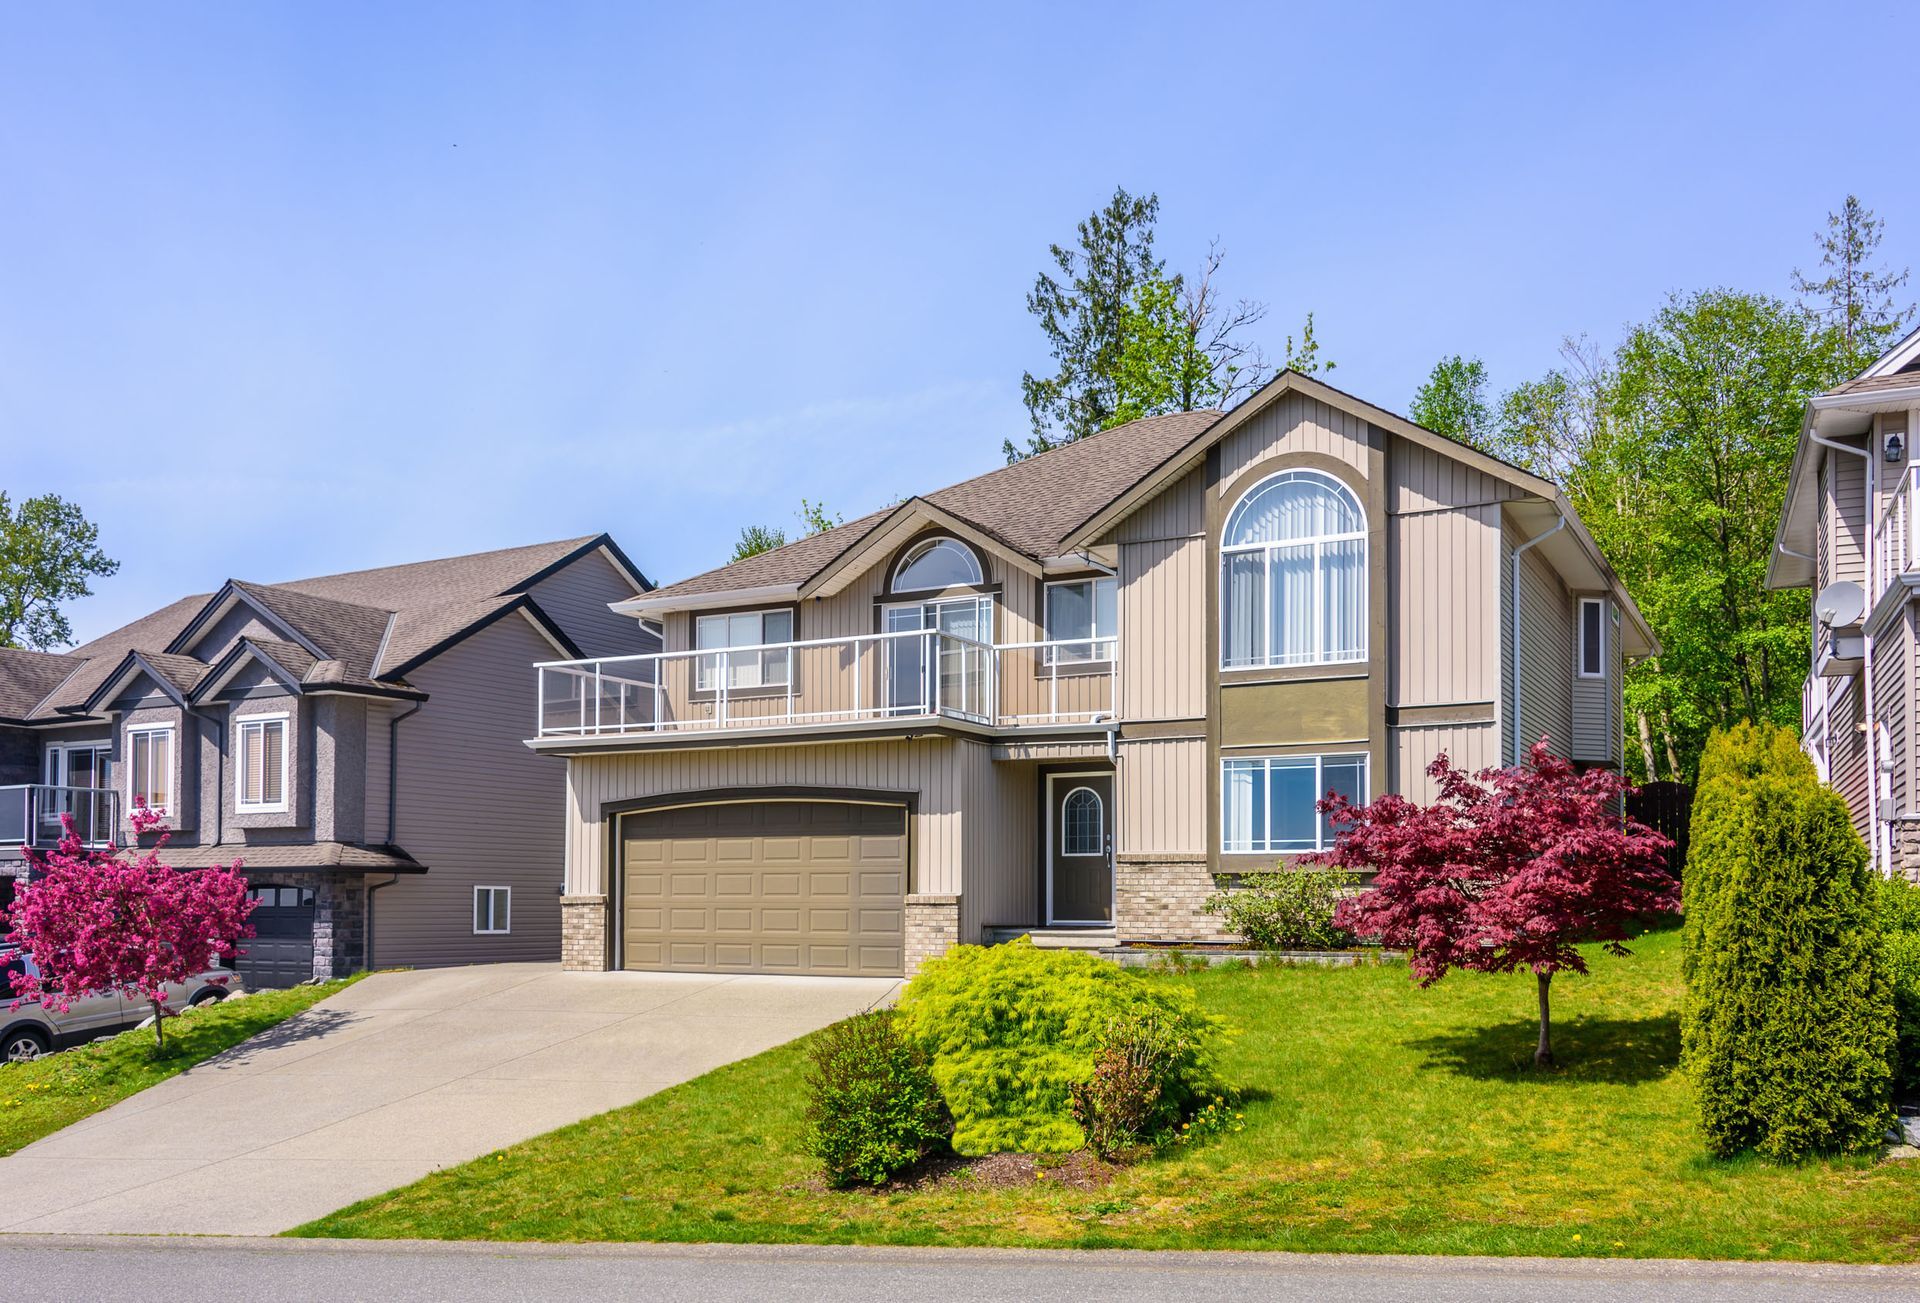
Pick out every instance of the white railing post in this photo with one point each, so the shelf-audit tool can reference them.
(790, 676)
(722, 676)
(657, 670)
(598, 692)
(1053, 690)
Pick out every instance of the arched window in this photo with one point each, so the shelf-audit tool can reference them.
(1082, 823)
(936, 563)
(1293, 574)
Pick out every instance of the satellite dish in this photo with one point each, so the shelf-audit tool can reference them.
(1841, 604)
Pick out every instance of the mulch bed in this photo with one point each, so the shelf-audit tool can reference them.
(1080, 1170)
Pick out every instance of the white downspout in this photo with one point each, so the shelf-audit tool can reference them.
(1866, 645)
(1519, 746)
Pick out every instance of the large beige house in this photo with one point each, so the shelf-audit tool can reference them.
(1073, 692)
(1849, 532)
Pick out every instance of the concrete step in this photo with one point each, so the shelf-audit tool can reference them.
(1056, 938)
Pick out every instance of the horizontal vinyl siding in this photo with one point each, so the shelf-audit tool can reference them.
(1596, 721)
(1162, 795)
(1847, 752)
(1546, 655)
(1892, 680)
(477, 808)
(1847, 521)
(1444, 568)
(1472, 747)
(577, 596)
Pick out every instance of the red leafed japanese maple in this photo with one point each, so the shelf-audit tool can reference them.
(98, 919)
(1510, 868)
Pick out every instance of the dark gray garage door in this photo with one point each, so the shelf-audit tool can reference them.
(280, 952)
(814, 887)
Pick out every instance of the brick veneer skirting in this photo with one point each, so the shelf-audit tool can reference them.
(1159, 898)
(1906, 849)
(583, 934)
(933, 927)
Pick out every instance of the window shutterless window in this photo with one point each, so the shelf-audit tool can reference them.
(935, 564)
(743, 629)
(150, 768)
(260, 767)
(1293, 574)
(1083, 823)
(1593, 638)
(492, 909)
(1083, 614)
(1269, 804)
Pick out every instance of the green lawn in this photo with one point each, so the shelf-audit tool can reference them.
(1378, 1118)
(38, 1098)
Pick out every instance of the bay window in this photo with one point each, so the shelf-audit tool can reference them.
(1293, 582)
(743, 629)
(1083, 614)
(1269, 804)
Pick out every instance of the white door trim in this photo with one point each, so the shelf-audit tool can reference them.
(1053, 849)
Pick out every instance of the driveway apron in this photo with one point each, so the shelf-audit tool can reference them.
(393, 1078)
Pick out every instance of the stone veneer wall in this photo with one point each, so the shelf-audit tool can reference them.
(583, 934)
(1159, 898)
(933, 927)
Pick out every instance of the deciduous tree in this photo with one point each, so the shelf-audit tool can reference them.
(48, 552)
(1453, 401)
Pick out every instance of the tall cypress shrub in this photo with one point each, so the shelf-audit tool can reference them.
(1787, 1026)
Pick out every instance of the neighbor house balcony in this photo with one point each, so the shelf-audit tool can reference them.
(867, 682)
(31, 815)
(1896, 540)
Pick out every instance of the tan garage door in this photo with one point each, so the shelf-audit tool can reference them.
(768, 887)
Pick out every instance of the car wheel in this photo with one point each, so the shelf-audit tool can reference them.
(211, 995)
(24, 1045)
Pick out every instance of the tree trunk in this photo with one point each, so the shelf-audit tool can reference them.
(1646, 746)
(160, 1038)
(1543, 1053)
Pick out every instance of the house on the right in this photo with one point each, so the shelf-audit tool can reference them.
(1849, 531)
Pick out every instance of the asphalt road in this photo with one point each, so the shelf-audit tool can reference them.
(268, 1271)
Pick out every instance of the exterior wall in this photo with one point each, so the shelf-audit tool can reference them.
(577, 596)
(183, 816)
(339, 768)
(1546, 651)
(255, 693)
(1163, 582)
(1470, 746)
(476, 807)
(1595, 734)
(1847, 751)
(377, 765)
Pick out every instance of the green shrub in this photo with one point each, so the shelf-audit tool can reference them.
(1129, 1099)
(1787, 1024)
(1012, 1028)
(1290, 909)
(873, 1109)
(1900, 920)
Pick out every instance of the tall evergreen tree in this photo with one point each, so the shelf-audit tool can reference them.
(1857, 292)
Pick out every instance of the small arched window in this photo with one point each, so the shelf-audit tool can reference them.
(1083, 818)
(1293, 574)
(935, 564)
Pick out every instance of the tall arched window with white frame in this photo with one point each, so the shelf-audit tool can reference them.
(1293, 574)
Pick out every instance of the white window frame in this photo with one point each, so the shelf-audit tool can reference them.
(706, 669)
(506, 899)
(925, 546)
(133, 771)
(241, 723)
(1100, 823)
(1263, 844)
(1319, 543)
(1580, 640)
(1101, 644)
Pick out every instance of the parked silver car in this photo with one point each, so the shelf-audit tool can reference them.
(32, 1030)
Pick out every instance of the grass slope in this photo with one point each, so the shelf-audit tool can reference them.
(1379, 1118)
(38, 1098)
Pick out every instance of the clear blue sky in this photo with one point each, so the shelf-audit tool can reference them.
(291, 289)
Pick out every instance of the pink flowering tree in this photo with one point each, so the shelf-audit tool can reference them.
(98, 920)
(1510, 868)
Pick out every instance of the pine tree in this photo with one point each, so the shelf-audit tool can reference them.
(1855, 294)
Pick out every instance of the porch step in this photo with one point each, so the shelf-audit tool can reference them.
(1056, 938)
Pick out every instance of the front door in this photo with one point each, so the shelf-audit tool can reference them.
(1080, 848)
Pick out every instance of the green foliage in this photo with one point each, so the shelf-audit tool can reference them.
(1289, 909)
(1305, 360)
(1133, 1096)
(872, 1107)
(1787, 1023)
(1012, 1028)
(1854, 294)
(816, 519)
(1453, 401)
(48, 552)
(1161, 367)
(1900, 921)
(755, 539)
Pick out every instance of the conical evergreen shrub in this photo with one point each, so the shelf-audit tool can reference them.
(1787, 1026)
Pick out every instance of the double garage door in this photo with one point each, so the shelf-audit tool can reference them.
(814, 887)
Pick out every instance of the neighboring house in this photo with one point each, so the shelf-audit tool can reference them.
(1069, 693)
(354, 739)
(1849, 532)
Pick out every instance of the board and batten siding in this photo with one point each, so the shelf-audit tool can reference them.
(1163, 582)
(1001, 843)
(1411, 748)
(476, 806)
(576, 596)
(1443, 644)
(1161, 792)
(1294, 424)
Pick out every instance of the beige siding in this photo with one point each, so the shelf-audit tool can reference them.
(1162, 796)
(1469, 746)
(1421, 479)
(1847, 752)
(1596, 702)
(1294, 424)
(1002, 846)
(577, 596)
(1164, 577)
(1846, 504)
(476, 807)
(1444, 567)
(1546, 653)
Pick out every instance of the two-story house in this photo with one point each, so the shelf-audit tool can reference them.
(1071, 692)
(355, 740)
(1849, 531)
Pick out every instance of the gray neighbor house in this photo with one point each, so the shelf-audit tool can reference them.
(356, 740)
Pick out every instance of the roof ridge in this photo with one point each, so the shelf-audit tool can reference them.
(1034, 459)
(577, 541)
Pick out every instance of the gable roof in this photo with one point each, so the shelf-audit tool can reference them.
(28, 676)
(356, 631)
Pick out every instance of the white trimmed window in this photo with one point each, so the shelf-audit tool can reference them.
(1293, 574)
(150, 754)
(260, 767)
(1593, 638)
(935, 564)
(1269, 805)
(492, 911)
(1084, 615)
(762, 669)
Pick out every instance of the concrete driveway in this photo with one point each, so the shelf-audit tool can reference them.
(394, 1077)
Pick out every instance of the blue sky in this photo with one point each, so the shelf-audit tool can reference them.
(292, 289)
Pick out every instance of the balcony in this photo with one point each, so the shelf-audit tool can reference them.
(30, 815)
(867, 680)
(1896, 539)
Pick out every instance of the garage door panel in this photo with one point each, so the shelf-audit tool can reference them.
(780, 887)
